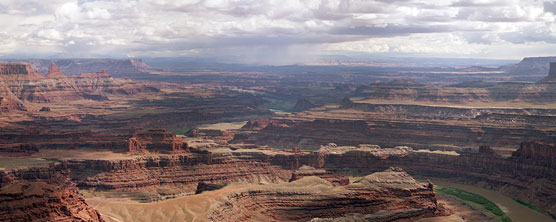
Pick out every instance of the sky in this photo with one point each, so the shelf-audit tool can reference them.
(277, 31)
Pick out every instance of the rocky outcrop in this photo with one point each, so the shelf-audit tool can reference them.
(542, 154)
(20, 82)
(156, 140)
(306, 134)
(180, 170)
(418, 126)
(11, 105)
(551, 78)
(259, 124)
(54, 72)
(532, 66)
(529, 174)
(42, 194)
(45, 109)
(39, 201)
(21, 72)
(55, 139)
(118, 67)
(135, 146)
(202, 187)
(303, 104)
(312, 197)
(306, 171)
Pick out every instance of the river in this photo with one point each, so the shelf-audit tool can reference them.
(514, 210)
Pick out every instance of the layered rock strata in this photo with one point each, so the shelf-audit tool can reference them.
(21, 83)
(180, 170)
(333, 178)
(42, 194)
(156, 140)
(312, 197)
(530, 174)
(39, 201)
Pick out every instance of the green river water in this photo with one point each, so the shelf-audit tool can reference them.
(517, 212)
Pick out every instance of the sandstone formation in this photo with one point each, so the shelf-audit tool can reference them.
(54, 72)
(418, 126)
(45, 109)
(306, 171)
(202, 187)
(529, 174)
(156, 140)
(39, 201)
(13, 139)
(303, 104)
(42, 194)
(292, 134)
(542, 154)
(18, 72)
(118, 67)
(8, 105)
(394, 192)
(21, 83)
(177, 170)
(551, 78)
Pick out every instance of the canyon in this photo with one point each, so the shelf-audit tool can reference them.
(79, 143)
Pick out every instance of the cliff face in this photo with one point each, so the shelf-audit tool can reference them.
(11, 105)
(42, 194)
(312, 197)
(39, 201)
(20, 72)
(307, 171)
(21, 83)
(532, 66)
(187, 170)
(12, 140)
(292, 134)
(118, 67)
(551, 78)
(530, 174)
(54, 72)
(542, 154)
(418, 126)
(157, 140)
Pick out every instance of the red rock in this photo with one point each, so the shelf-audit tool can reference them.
(39, 201)
(11, 105)
(54, 72)
(305, 171)
(20, 82)
(157, 140)
(394, 192)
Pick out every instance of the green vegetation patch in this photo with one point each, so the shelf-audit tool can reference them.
(354, 179)
(531, 206)
(471, 197)
(181, 131)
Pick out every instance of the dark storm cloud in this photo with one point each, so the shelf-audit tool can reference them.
(390, 30)
(550, 7)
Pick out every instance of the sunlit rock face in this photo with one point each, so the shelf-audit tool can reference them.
(19, 82)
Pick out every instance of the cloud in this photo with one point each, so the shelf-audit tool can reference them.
(260, 29)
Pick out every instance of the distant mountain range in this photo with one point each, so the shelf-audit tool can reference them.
(530, 69)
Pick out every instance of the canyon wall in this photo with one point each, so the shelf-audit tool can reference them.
(385, 196)
(182, 170)
(21, 83)
(118, 67)
(42, 194)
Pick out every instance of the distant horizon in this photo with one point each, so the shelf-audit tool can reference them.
(277, 32)
(320, 61)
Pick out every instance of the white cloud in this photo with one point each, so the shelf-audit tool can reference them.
(275, 27)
